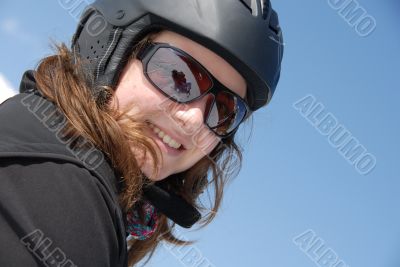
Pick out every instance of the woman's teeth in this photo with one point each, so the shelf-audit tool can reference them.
(165, 138)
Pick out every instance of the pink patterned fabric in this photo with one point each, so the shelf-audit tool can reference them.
(138, 230)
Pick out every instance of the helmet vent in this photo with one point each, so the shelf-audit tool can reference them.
(257, 6)
(265, 6)
(274, 23)
(95, 50)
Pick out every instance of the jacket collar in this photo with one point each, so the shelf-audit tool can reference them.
(47, 140)
(27, 81)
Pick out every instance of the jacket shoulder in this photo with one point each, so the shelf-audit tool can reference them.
(60, 203)
(32, 126)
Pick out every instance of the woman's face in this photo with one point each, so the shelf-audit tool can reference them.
(182, 122)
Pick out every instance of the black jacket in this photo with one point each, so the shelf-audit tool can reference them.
(58, 207)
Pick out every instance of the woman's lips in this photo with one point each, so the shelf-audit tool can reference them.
(164, 147)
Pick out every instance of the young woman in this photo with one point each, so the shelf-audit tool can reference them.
(110, 144)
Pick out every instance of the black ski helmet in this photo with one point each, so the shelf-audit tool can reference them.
(246, 33)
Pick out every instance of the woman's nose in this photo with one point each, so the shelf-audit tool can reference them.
(193, 115)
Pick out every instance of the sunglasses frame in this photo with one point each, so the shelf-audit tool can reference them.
(147, 52)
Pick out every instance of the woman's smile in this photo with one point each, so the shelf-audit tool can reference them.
(167, 143)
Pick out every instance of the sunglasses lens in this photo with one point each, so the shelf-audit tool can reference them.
(226, 114)
(177, 75)
(183, 79)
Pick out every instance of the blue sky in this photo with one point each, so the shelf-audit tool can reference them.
(295, 189)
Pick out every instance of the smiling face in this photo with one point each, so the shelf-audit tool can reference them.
(181, 122)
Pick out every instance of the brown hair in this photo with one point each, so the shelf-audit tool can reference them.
(62, 79)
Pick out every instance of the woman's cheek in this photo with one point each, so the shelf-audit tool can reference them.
(208, 142)
(205, 148)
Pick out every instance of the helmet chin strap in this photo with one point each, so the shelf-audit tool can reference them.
(171, 205)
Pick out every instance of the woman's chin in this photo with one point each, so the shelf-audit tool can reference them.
(147, 171)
